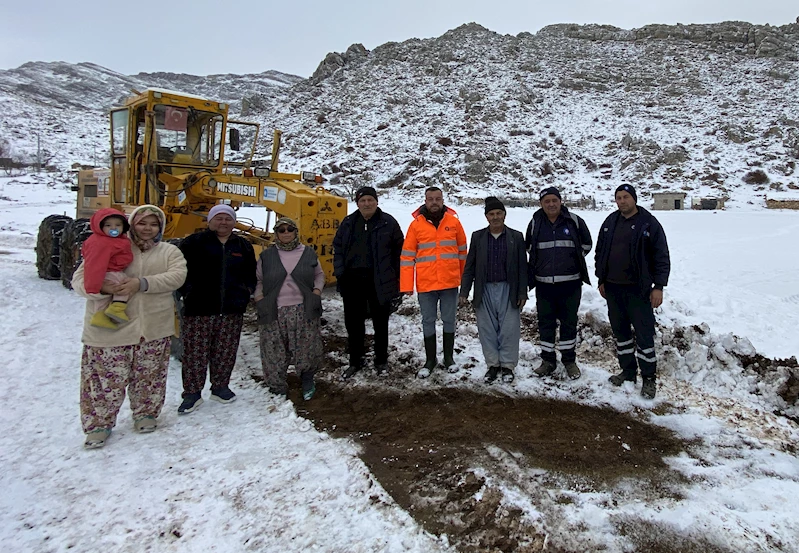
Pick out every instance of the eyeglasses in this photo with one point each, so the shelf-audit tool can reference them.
(283, 230)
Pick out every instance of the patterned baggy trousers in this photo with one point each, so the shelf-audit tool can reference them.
(105, 374)
(291, 339)
(210, 345)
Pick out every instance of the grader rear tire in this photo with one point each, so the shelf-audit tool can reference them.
(75, 234)
(48, 246)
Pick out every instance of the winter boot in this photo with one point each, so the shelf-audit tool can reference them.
(649, 388)
(116, 312)
(491, 374)
(381, 369)
(449, 346)
(621, 378)
(96, 438)
(101, 320)
(430, 357)
(507, 375)
(572, 370)
(350, 371)
(546, 368)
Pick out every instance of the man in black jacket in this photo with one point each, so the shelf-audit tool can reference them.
(557, 242)
(497, 265)
(633, 265)
(366, 264)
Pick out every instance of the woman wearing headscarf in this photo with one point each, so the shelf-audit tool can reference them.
(220, 281)
(134, 357)
(289, 303)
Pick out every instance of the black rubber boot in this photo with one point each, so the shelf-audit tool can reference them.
(430, 357)
(430, 352)
(449, 346)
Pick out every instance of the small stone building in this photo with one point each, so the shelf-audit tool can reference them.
(708, 203)
(668, 200)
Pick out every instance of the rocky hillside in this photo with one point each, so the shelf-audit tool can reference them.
(708, 109)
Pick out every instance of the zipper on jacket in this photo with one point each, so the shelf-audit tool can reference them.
(222, 283)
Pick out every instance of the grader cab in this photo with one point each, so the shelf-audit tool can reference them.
(183, 154)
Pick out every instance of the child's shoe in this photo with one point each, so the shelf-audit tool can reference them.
(116, 312)
(101, 319)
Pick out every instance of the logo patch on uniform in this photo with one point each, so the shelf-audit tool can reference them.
(566, 231)
(633, 227)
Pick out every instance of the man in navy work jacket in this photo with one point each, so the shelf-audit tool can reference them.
(366, 263)
(497, 265)
(557, 242)
(633, 265)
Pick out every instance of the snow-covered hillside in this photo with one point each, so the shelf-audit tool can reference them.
(706, 109)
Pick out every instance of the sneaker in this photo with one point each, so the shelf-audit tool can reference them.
(573, 370)
(621, 378)
(223, 395)
(145, 425)
(507, 375)
(101, 320)
(96, 438)
(350, 372)
(649, 388)
(382, 369)
(546, 368)
(491, 375)
(116, 312)
(452, 369)
(424, 372)
(190, 404)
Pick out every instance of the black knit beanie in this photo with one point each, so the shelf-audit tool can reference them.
(550, 190)
(365, 191)
(493, 203)
(629, 189)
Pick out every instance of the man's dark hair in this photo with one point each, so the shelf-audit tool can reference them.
(433, 189)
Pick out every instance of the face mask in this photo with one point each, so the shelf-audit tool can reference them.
(113, 233)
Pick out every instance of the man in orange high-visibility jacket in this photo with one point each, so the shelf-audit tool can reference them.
(435, 245)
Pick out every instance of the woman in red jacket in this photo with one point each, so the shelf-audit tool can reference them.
(106, 254)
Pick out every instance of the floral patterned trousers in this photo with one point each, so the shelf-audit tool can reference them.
(210, 344)
(105, 374)
(292, 339)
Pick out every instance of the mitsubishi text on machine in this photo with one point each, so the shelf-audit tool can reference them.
(240, 189)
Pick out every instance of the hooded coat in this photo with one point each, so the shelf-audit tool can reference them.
(102, 253)
(151, 310)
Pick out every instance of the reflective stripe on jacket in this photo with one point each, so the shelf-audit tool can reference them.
(437, 254)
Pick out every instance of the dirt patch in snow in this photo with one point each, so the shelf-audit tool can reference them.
(445, 455)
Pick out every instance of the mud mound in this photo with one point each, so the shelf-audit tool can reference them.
(444, 455)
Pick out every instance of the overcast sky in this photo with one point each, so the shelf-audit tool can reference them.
(204, 37)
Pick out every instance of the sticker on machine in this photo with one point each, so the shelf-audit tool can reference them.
(182, 197)
(270, 193)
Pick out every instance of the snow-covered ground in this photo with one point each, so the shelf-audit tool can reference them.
(253, 476)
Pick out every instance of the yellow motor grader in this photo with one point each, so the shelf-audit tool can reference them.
(183, 154)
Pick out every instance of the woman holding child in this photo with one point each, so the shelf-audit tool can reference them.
(134, 355)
